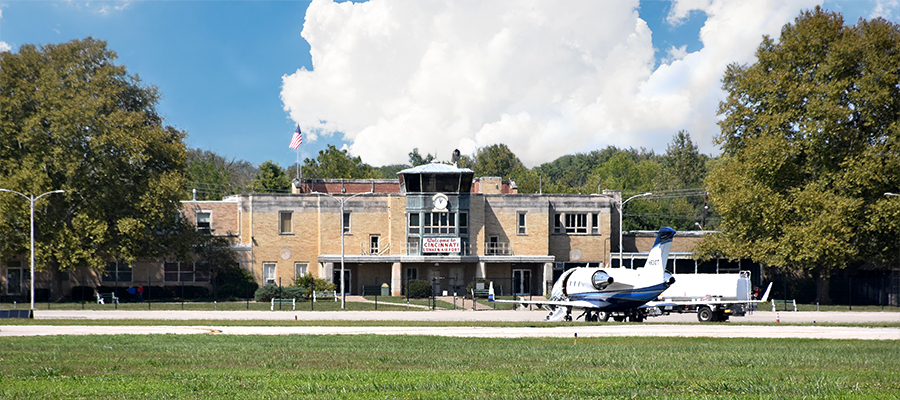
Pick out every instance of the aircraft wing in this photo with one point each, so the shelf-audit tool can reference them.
(558, 303)
(667, 303)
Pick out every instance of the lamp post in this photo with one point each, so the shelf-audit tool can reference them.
(342, 200)
(32, 199)
(621, 208)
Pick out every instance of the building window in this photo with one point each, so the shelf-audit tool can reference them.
(204, 221)
(595, 224)
(374, 247)
(346, 222)
(520, 223)
(463, 223)
(440, 223)
(412, 273)
(575, 223)
(269, 273)
(176, 271)
(201, 271)
(285, 222)
(300, 269)
(117, 272)
(414, 225)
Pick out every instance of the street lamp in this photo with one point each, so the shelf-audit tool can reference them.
(342, 200)
(891, 194)
(621, 208)
(32, 199)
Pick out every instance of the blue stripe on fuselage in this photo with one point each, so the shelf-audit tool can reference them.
(621, 300)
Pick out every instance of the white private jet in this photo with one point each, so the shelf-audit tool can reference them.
(622, 293)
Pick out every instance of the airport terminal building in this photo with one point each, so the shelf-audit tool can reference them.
(436, 222)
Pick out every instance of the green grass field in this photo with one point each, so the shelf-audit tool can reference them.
(414, 367)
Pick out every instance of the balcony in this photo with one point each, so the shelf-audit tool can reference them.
(498, 248)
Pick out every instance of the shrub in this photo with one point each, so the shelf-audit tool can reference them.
(269, 292)
(318, 284)
(235, 282)
(418, 289)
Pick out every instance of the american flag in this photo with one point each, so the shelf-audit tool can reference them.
(297, 140)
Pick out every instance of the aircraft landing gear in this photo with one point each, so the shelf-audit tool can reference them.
(594, 316)
(635, 316)
(603, 316)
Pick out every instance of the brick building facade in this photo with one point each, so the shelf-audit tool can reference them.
(435, 222)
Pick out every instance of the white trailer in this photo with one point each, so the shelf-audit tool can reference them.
(714, 297)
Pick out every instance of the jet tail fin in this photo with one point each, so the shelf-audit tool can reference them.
(659, 254)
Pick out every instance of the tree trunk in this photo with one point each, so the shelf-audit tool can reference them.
(56, 292)
(822, 285)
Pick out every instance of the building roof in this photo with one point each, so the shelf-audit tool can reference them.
(436, 167)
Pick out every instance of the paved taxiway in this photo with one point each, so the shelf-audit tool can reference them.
(665, 326)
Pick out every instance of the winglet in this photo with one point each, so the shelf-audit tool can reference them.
(765, 297)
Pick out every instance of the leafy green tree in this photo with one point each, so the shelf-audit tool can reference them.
(416, 159)
(271, 179)
(332, 163)
(683, 167)
(811, 141)
(213, 176)
(74, 120)
(622, 172)
(497, 160)
(390, 171)
(207, 174)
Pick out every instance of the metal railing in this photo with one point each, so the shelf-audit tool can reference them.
(366, 249)
(498, 249)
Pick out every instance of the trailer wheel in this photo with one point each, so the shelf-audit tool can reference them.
(705, 314)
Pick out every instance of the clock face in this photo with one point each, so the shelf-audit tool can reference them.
(440, 202)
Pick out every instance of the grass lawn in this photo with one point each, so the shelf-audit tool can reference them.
(421, 367)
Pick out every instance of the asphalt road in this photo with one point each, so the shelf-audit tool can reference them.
(665, 326)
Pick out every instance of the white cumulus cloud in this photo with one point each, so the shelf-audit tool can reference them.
(545, 78)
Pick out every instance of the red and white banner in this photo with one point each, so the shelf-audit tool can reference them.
(440, 245)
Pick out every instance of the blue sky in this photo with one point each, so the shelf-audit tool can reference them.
(546, 78)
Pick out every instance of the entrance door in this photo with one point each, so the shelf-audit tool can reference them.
(434, 275)
(521, 281)
(336, 278)
(456, 279)
(13, 280)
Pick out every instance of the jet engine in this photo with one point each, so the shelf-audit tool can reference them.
(669, 279)
(601, 280)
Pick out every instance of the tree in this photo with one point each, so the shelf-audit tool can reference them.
(207, 174)
(271, 179)
(214, 177)
(497, 160)
(416, 159)
(76, 121)
(332, 163)
(683, 167)
(811, 141)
